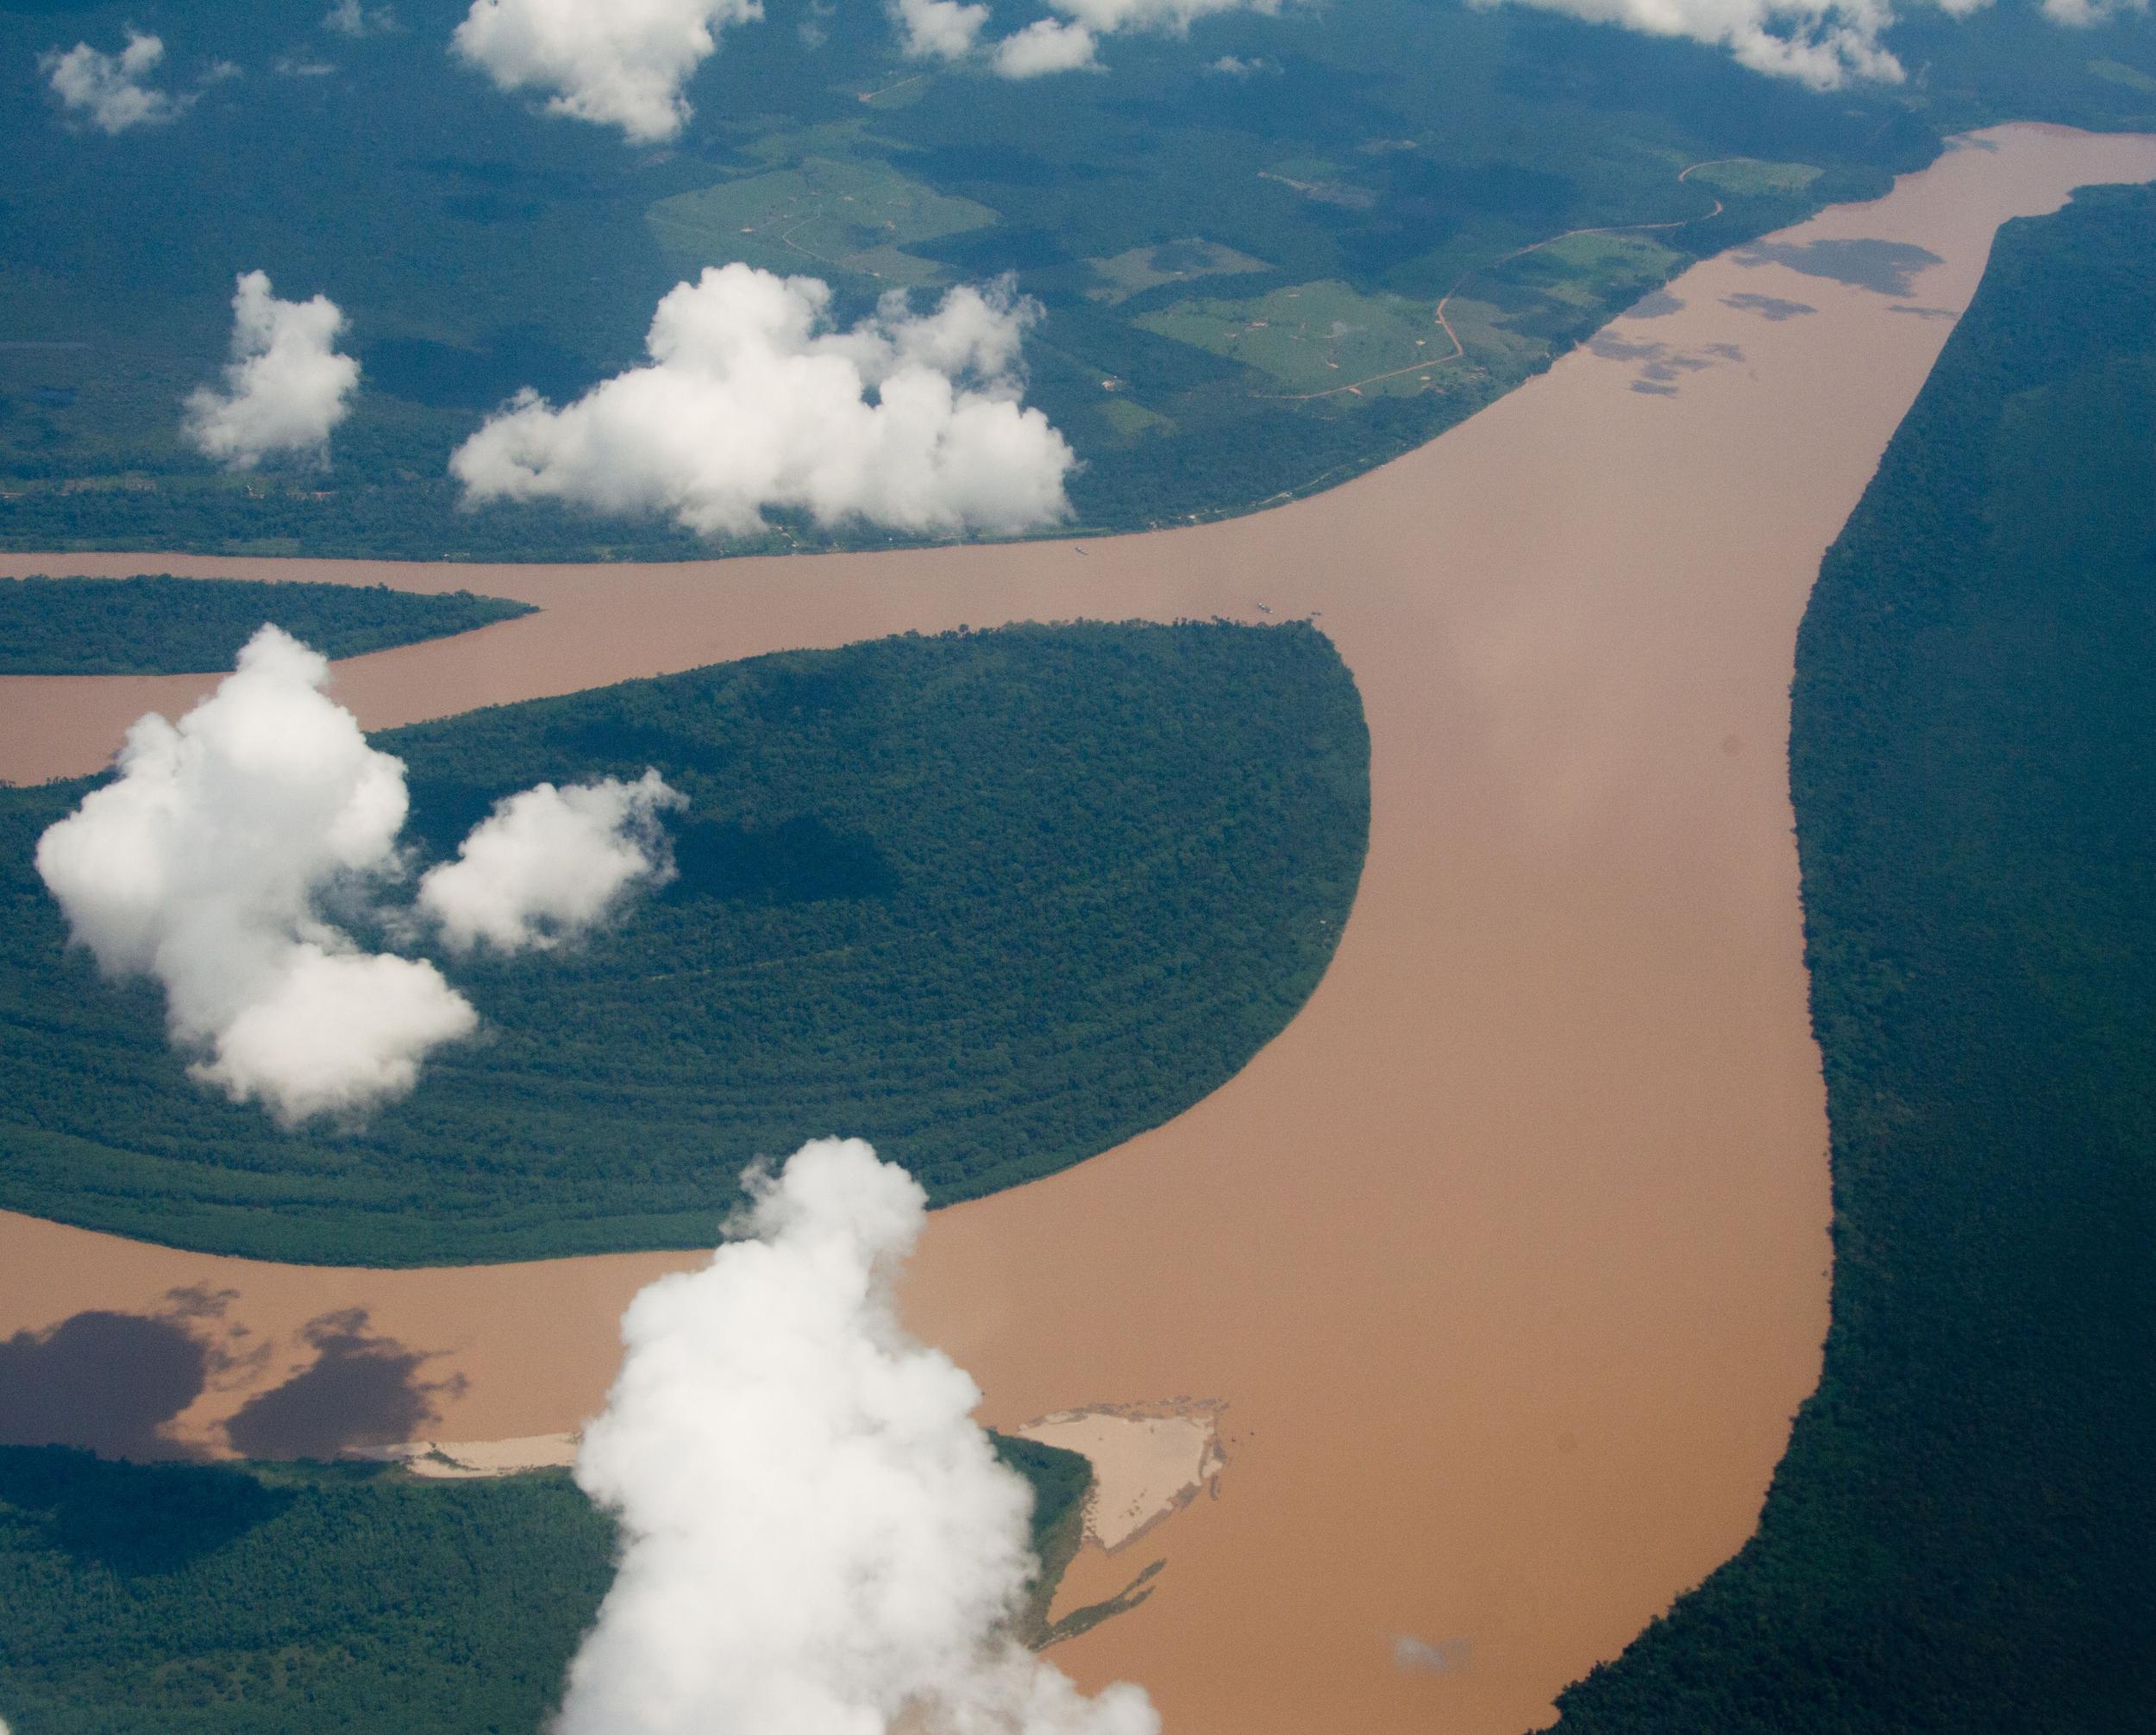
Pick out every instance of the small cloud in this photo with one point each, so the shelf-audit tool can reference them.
(2083, 15)
(292, 67)
(107, 90)
(938, 29)
(1235, 66)
(549, 864)
(1067, 45)
(750, 403)
(1046, 46)
(618, 64)
(350, 18)
(202, 866)
(286, 386)
(1824, 43)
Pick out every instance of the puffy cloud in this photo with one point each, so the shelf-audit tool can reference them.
(203, 865)
(750, 403)
(549, 864)
(350, 18)
(286, 386)
(938, 29)
(1825, 43)
(1105, 17)
(1067, 45)
(2084, 13)
(817, 1537)
(621, 63)
(108, 90)
(1047, 46)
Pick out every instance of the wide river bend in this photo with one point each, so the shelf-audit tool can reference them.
(1508, 1257)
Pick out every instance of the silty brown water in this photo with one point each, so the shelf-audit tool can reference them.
(1508, 1255)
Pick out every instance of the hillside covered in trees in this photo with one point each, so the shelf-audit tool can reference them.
(158, 625)
(992, 901)
(1958, 1539)
(267, 1599)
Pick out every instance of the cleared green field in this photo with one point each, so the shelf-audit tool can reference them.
(1746, 177)
(1313, 337)
(1141, 268)
(828, 214)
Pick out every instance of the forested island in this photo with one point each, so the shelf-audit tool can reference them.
(264, 1598)
(158, 625)
(994, 901)
(1958, 1538)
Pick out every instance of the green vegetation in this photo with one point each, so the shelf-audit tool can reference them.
(1958, 1539)
(1743, 175)
(825, 216)
(1314, 337)
(478, 246)
(994, 901)
(160, 624)
(1172, 262)
(194, 1600)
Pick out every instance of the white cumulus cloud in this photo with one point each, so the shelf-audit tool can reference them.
(549, 864)
(204, 863)
(286, 386)
(2084, 13)
(817, 1537)
(750, 402)
(1824, 43)
(938, 29)
(620, 63)
(1046, 45)
(107, 90)
(1068, 44)
(351, 18)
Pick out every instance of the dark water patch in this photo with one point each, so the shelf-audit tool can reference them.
(105, 1381)
(1772, 307)
(361, 1390)
(1924, 312)
(1886, 267)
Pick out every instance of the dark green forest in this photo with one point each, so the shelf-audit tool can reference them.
(267, 1599)
(158, 625)
(1959, 1538)
(994, 901)
(1369, 156)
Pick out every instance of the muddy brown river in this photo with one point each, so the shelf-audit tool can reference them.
(1508, 1257)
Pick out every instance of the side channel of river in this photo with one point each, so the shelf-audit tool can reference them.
(1508, 1257)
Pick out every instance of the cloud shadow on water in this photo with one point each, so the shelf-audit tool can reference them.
(107, 1381)
(360, 1390)
(1887, 267)
(1772, 307)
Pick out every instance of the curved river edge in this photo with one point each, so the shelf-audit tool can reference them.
(1505, 1266)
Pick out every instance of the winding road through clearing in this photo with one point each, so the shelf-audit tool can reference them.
(1505, 1263)
(1459, 349)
